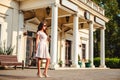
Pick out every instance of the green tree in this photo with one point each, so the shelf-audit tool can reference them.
(112, 34)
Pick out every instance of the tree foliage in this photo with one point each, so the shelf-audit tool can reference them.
(112, 33)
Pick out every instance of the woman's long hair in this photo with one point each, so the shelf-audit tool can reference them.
(40, 26)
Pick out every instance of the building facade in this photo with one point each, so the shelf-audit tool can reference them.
(71, 24)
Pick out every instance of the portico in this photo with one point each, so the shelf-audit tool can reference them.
(71, 20)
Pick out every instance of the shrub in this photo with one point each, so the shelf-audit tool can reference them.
(60, 63)
(110, 62)
(97, 62)
(6, 51)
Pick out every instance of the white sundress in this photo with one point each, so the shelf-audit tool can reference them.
(42, 50)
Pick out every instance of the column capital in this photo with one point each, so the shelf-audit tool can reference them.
(20, 11)
(103, 28)
(89, 21)
(76, 14)
(55, 4)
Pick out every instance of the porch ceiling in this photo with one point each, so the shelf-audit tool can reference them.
(40, 14)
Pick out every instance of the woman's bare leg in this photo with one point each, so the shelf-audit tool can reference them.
(46, 67)
(39, 64)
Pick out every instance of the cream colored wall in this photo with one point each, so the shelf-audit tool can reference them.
(70, 37)
(82, 33)
(84, 39)
(3, 32)
(3, 24)
(62, 37)
(59, 47)
(28, 27)
(9, 9)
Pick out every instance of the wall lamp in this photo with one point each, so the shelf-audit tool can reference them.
(47, 10)
(67, 18)
(82, 25)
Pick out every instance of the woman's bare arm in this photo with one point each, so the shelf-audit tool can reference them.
(37, 41)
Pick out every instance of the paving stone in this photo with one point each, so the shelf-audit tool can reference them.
(62, 74)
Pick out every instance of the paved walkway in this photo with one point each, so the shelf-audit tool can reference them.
(69, 74)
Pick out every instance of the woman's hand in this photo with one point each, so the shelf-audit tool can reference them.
(49, 38)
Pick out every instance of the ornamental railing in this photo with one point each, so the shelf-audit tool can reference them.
(93, 6)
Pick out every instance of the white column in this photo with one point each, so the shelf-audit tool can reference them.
(75, 41)
(54, 34)
(20, 33)
(91, 46)
(102, 48)
(63, 47)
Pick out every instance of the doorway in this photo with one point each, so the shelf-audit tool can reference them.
(68, 61)
(83, 51)
(30, 50)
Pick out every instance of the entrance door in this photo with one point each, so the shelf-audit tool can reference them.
(83, 51)
(68, 53)
(30, 50)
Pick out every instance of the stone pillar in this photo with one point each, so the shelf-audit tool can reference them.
(75, 41)
(102, 48)
(19, 36)
(63, 47)
(91, 46)
(54, 34)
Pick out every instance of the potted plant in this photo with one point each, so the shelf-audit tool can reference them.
(60, 63)
(88, 63)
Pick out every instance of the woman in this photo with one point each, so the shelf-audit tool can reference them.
(42, 48)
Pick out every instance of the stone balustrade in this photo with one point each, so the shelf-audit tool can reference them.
(93, 6)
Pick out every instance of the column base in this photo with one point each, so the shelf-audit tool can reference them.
(75, 65)
(102, 66)
(53, 66)
(92, 66)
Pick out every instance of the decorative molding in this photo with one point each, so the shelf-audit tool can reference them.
(6, 6)
(69, 5)
(83, 38)
(3, 15)
(99, 21)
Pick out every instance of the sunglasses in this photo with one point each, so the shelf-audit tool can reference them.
(45, 25)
